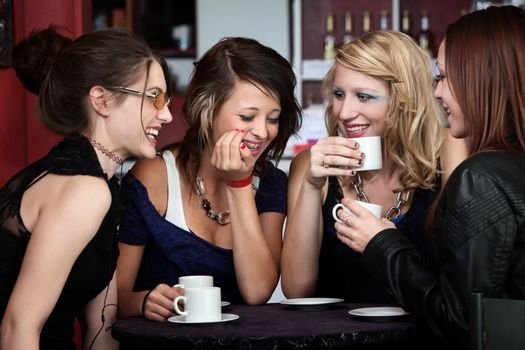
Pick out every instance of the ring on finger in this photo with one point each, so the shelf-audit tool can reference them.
(323, 164)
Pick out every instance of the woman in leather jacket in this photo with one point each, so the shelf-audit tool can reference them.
(478, 227)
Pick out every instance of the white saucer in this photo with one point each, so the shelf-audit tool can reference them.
(182, 319)
(384, 313)
(225, 303)
(310, 303)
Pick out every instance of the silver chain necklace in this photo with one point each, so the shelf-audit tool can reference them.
(393, 212)
(222, 218)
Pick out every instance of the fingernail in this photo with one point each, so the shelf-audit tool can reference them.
(352, 173)
(243, 146)
(356, 145)
(362, 155)
(360, 162)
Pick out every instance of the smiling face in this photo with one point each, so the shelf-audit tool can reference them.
(252, 109)
(445, 95)
(139, 137)
(360, 103)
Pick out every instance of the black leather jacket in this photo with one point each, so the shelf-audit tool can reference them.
(479, 245)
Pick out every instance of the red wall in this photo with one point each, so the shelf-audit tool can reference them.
(22, 138)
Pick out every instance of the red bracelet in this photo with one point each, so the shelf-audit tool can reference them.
(239, 183)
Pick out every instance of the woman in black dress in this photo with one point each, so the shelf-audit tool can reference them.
(106, 92)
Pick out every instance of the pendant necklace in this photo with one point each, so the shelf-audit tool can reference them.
(394, 211)
(222, 218)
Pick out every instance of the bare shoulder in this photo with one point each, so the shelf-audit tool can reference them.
(88, 192)
(66, 200)
(152, 174)
(300, 163)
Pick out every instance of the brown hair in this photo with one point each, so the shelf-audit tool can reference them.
(211, 84)
(61, 71)
(485, 64)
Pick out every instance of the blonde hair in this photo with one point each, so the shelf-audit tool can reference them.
(414, 126)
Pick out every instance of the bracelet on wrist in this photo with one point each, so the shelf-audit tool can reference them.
(239, 183)
(144, 302)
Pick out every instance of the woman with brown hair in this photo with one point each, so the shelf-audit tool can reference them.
(478, 228)
(106, 93)
(213, 204)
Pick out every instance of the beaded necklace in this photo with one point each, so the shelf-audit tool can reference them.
(222, 218)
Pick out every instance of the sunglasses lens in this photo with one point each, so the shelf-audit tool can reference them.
(161, 100)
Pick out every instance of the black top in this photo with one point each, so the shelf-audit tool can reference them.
(478, 245)
(341, 270)
(93, 269)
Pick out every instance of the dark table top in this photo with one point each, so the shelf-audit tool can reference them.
(271, 326)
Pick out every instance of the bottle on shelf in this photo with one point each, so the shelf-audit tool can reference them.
(425, 37)
(348, 35)
(366, 22)
(383, 20)
(405, 23)
(329, 39)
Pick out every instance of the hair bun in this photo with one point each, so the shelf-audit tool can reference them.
(34, 56)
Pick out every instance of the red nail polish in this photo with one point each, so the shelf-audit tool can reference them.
(243, 146)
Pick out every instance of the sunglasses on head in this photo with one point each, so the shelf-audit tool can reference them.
(160, 98)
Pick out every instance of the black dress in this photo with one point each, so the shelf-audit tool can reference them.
(341, 270)
(93, 269)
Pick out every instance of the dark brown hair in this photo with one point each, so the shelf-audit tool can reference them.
(485, 64)
(211, 84)
(61, 71)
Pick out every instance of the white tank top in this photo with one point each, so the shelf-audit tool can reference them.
(174, 209)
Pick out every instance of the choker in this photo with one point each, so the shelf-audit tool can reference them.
(222, 218)
(106, 152)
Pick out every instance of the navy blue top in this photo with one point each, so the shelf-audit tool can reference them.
(341, 272)
(172, 251)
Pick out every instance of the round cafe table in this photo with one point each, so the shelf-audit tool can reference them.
(271, 326)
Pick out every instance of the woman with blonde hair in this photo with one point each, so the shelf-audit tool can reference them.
(379, 85)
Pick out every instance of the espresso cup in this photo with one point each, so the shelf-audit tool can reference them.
(371, 147)
(194, 281)
(202, 304)
(373, 208)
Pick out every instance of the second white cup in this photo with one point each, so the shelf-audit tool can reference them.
(375, 209)
(194, 281)
(201, 304)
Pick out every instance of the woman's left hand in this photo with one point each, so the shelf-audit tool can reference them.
(231, 157)
(361, 228)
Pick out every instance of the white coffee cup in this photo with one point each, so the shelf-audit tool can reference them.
(202, 304)
(371, 147)
(375, 209)
(194, 281)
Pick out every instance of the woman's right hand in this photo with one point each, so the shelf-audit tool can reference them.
(158, 304)
(333, 156)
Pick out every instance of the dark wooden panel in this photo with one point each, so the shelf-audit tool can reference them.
(314, 14)
(441, 13)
